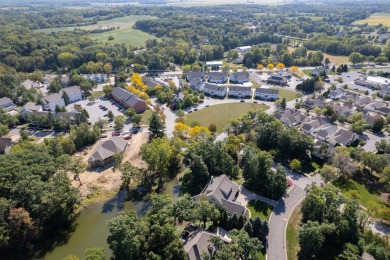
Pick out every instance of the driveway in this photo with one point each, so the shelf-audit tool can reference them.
(245, 196)
(276, 249)
(371, 139)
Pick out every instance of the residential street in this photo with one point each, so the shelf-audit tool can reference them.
(278, 222)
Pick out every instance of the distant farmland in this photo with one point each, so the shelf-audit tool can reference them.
(375, 19)
(125, 34)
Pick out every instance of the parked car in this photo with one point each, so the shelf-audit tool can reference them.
(103, 136)
(110, 124)
(242, 101)
(127, 137)
(116, 133)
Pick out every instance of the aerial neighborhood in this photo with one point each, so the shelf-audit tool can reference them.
(224, 130)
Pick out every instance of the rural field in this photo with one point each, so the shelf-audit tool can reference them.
(375, 19)
(220, 115)
(125, 34)
(333, 59)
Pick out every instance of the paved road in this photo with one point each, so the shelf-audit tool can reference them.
(281, 213)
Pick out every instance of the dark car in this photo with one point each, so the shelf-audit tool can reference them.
(242, 101)
(116, 133)
(195, 109)
(190, 111)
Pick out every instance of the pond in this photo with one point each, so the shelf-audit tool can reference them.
(91, 226)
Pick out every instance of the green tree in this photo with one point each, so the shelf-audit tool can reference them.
(311, 239)
(194, 180)
(204, 211)
(157, 154)
(119, 122)
(378, 125)
(130, 112)
(96, 253)
(110, 115)
(77, 166)
(136, 119)
(182, 208)
(355, 57)
(283, 104)
(156, 126)
(3, 130)
(66, 59)
(295, 165)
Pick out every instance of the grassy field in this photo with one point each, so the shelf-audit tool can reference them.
(375, 19)
(355, 190)
(292, 234)
(146, 116)
(287, 94)
(259, 209)
(96, 94)
(332, 58)
(221, 114)
(125, 34)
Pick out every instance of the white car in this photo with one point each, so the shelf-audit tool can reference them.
(110, 124)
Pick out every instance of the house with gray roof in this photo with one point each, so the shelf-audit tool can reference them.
(196, 75)
(290, 118)
(7, 104)
(336, 94)
(343, 137)
(370, 118)
(362, 101)
(214, 90)
(384, 92)
(73, 93)
(105, 151)
(223, 192)
(277, 80)
(51, 101)
(311, 127)
(127, 99)
(197, 84)
(326, 131)
(363, 83)
(239, 77)
(217, 77)
(266, 94)
(240, 92)
(197, 242)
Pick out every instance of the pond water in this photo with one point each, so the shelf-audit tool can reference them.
(91, 226)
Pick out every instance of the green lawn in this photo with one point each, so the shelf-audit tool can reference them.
(96, 94)
(125, 34)
(292, 234)
(146, 116)
(260, 209)
(355, 190)
(221, 114)
(375, 19)
(287, 94)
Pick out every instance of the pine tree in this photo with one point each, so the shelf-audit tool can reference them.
(283, 104)
(224, 219)
(248, 228)
(240, 222)
(257, 227)
(156, 126)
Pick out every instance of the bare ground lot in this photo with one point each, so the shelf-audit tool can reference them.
(105, 180)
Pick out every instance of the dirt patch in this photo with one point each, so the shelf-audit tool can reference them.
(102, 181)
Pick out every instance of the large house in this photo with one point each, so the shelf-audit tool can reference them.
(197, 242)
(217, 77)
(127, 99)
(318, 71)
(277, 80)
(343, 137)
(240, 92)
(214, 90)
(196, 75)
(266, 94)
(105, 151)
(239, 77)
(73, 93)
(336, 94)
(223, 192)
(384, 92)
(363, 83)
(290, 118)
(7, 103)
(312, 126)
(51, 101)
(379, 81)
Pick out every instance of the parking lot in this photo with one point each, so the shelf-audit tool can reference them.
(93, 109)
